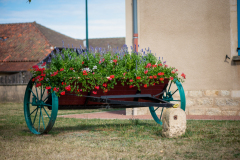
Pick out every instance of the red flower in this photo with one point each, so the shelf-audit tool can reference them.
(166, 66)
(94, 92)
(103, 60)
(150, 77)
(161, 79)
(43, 64)
(115, 61)
(154, 76)
(71, 68)
(99, 61)
(68, 88)
(105, 90)
(79, 90)
(171, 78)
(154, 66)
(145, 85)
(35, 66)
(40, 79)
(124, 74)
(43, 75)
(48, 87)
(146, 71)
(104, 85)
(96, 87)
(37, 77)
(183, 75)
(112, 76)
(131, 86)
(153, 84)
(55, 89)
(85, 72)
(138, 77)
(62, 69)
(131, 80)
(33, 80)
(148, 65)
(160, 64)
(160, 73)
(62, 93)
(63, 83)
(38, 84)
(82, 62)
(173, 72)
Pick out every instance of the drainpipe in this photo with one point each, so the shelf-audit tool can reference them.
(238, 19)
(135, 27)
(87, 47)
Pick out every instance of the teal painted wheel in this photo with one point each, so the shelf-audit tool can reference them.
(40, 108)
(174, 93)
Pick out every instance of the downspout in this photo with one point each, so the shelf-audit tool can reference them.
(135, 27)
(238, 22)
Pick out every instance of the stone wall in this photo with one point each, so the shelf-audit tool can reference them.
(13, 93)
(205, 102)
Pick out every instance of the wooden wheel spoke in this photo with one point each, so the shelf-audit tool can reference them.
(175, 91)
(46, 112)
(43, 94)
(33, 94)
(42, 119)
(156, 109)
(32, 112)
(47, 105)
(46, 98)
(35, 117)
(39, 120)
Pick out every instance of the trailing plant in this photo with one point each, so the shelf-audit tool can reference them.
(101, 69)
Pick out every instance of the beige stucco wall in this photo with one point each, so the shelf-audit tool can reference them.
(194, 36)
(14, 93)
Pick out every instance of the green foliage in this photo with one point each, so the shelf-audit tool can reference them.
(87, 72)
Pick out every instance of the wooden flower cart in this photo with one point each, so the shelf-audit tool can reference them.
(41, 107)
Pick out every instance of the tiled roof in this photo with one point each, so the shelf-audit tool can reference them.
(106, 42)
(16, 66)
(28, 42)
(56, 38)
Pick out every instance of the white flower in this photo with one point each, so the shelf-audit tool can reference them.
(94, 67)
(73, 70)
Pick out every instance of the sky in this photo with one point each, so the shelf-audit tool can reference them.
(106, 18)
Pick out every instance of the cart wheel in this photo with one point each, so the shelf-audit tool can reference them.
(173, 94)
(40, 108)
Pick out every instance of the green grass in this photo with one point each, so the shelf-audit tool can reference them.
(114, 139)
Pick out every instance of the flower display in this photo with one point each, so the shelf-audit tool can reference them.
(101, 70)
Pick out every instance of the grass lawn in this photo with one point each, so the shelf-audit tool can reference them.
(114, 139)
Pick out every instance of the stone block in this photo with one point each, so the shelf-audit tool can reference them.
(143, 111)
(128, 111)
(213, 111)
(224, 93)
(235, 94)
(230, 108)
(174, 122)
(226, 102)
(211, 93)
(205, 101)
(229, 113)
(195, 93)
(190, 102)
(233, 2)
(196, 111)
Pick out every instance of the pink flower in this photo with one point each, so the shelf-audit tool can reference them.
(131, 80)
(154, 66)
(93, 73)
(171, 78)
(173, 72)
(146, 71)
(99, 61)
(124, 74)
(94, 92)
(85, 72)
(55, 89)
(105, 90)
(160, 73)
(131, 86)
(62, 69)
(148, 65)
(166, 66)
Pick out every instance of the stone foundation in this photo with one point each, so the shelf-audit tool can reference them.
(205, 102)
